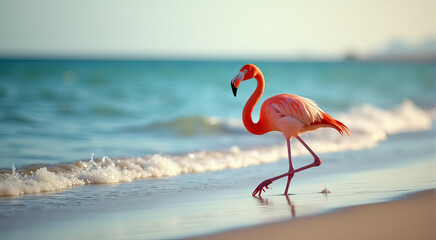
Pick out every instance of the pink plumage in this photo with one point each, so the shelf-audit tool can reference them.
(289, 114)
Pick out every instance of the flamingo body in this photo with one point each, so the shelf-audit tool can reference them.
(293, 115)
(289, 114)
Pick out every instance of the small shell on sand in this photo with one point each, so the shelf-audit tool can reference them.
(325, 191)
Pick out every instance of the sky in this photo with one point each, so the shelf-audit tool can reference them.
(227, 29)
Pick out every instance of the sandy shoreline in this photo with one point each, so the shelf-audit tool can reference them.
(413, 217)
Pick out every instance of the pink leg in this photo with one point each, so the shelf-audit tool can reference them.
(291, 168)
(310, 150)
(266, 183)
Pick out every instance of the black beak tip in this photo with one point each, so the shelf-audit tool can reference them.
(234, 89)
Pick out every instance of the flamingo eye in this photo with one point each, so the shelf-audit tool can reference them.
(245, 71)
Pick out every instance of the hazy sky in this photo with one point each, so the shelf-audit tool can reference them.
(211, 29)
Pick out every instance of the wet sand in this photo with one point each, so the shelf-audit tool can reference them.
(413, 217)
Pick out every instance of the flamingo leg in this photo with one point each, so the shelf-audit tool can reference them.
(266, 183)
(291, 168)
(317, 159)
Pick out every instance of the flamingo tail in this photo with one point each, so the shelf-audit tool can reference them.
(340, 127)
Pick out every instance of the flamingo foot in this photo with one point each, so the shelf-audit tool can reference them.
(261, 187)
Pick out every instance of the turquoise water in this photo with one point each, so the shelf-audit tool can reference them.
(62, 111)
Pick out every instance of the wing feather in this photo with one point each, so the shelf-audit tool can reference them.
(300, 108)
(292, 115)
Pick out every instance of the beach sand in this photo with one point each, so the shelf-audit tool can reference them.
(413, 217)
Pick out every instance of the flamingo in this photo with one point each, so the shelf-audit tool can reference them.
(289, 114)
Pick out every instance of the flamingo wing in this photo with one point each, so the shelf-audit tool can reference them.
(293, 115)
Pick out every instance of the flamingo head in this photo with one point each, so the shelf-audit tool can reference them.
(247, 72)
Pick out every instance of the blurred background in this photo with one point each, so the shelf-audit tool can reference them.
(194, 29)
(128, 78)
(147, 83)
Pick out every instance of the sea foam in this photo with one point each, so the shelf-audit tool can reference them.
(369, 125)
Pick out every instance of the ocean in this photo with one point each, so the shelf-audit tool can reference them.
(121, 138)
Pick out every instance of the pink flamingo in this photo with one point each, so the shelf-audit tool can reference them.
(289, 114)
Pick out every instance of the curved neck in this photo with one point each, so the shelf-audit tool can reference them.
(254, 128)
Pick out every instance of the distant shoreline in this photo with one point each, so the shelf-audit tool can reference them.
(347, 58)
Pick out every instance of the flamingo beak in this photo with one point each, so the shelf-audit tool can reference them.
(236, 81)
(234, 89)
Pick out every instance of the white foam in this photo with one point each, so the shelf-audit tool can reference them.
(369, 125)
(406, 117)
(41, 181)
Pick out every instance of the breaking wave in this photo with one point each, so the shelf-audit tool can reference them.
(369, 125)
(192, 126)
